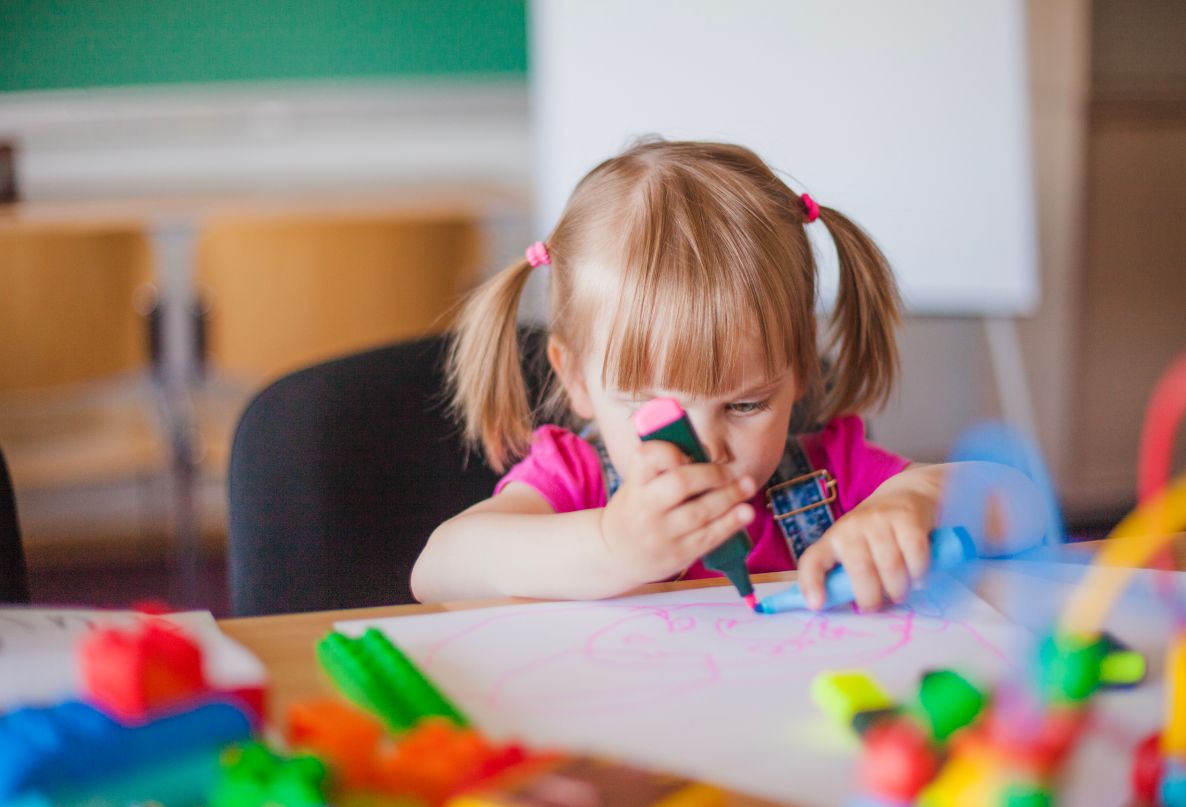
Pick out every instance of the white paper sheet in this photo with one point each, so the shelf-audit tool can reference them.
(692, 681)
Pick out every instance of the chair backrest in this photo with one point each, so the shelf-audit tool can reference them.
(338, 475)
(14, 581)
(287, 290)
(75, 395)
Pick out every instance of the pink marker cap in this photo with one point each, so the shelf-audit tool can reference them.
(656, 414)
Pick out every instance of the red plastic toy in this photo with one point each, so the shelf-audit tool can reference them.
(131, 673)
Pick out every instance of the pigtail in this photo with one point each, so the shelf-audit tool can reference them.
(868, 310)
(487, 389)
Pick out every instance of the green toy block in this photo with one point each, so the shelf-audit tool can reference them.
(949, 702)
(376, 675)
(254, 776)
(1026, 796)
(1070, 667)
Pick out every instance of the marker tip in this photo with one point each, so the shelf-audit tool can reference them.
(751, 601)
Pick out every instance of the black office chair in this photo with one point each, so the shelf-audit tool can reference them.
(14, 577)
(340, 472)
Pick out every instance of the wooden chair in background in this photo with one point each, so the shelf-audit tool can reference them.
(286, 291)
(77, 405)
(80, 406)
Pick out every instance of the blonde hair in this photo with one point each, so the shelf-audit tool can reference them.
(687, 251)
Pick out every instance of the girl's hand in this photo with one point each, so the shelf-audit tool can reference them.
(670, 511)
(883, 543)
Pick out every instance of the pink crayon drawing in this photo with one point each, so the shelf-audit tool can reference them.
(607, 657)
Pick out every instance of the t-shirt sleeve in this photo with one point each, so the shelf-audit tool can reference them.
(858, 465)
(563, 468)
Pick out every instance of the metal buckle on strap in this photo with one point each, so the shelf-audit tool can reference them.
(827, 482)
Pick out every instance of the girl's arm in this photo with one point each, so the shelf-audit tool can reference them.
(883, 542)
(515, 544)
(667, 513)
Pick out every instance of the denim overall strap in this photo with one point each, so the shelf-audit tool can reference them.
(609, 473)
(800, 498)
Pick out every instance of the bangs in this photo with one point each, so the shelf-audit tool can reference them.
(707, 277)
(696, 347)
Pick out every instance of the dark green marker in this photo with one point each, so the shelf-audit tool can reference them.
(665, 419)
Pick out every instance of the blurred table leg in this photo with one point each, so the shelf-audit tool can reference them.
(174, 242)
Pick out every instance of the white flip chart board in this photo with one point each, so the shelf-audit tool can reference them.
(910, 116)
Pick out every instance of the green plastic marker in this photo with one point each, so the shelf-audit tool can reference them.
(664, 419)
(373, 673)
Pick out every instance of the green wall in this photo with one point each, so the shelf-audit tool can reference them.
(56, 44)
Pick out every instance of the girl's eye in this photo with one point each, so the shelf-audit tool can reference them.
(748, 407)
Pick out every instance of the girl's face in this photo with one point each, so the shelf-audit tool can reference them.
(744, 429)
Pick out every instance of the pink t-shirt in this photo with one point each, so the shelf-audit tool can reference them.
(567, 472)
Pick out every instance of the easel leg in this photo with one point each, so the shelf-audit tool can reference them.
(1008, 369)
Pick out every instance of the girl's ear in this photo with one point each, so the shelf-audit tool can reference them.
(572, 378)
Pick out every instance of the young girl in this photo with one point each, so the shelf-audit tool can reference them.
(683, 269)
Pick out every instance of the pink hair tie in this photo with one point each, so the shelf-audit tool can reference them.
(537, 255)
(811, 207)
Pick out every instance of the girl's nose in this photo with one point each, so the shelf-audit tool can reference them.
(715, 446)
(718, 452)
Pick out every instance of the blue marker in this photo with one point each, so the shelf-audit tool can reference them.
(950, 546)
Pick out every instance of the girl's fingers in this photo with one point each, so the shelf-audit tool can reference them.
(862, 571)
(915, 545)
(679, 485)
(711, 505)
(891, 567)
(702, 541)
(816, 562)
(651, 459)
